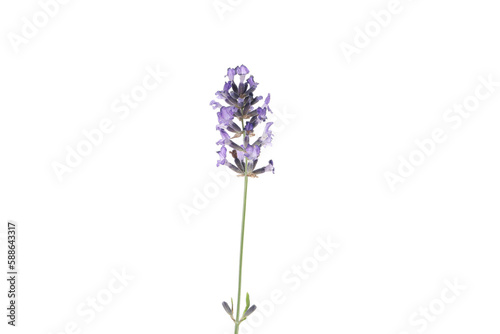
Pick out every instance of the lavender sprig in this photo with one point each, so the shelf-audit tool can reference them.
(240, 107)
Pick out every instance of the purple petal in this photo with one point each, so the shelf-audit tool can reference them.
(230, 73)
(242, 70)
(252, 152)
(251, 82)
(222, 155)
(226, 116)
(268, 99)
(261, 113)
(267, 136)
(226, 139)
(249, 126)
(240, 155)
(270, 167)
(215, 104)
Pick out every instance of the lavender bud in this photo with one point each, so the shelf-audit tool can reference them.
(234, 87)
(249, 311)
(227, 308)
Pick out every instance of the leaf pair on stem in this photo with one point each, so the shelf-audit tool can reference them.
(248, 309)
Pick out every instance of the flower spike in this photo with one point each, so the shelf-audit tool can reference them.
(241, 117)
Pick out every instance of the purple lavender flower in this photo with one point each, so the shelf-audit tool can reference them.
(230, 73)
(261, 113)
(215, 104)
(252, 152)
(252, 83)
(266, 138)
(266, 103)
(224, 93)
(242, 72)
(240, 116)
(225, 116)
(268, 168)
(249, 127)
(240, 155)
(226, 139)
(222, 156)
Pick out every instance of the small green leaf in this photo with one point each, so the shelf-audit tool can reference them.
(248, 303)
(232, 308)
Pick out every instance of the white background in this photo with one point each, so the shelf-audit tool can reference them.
(347, 124)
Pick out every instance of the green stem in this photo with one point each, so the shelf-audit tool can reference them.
(237, 322)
